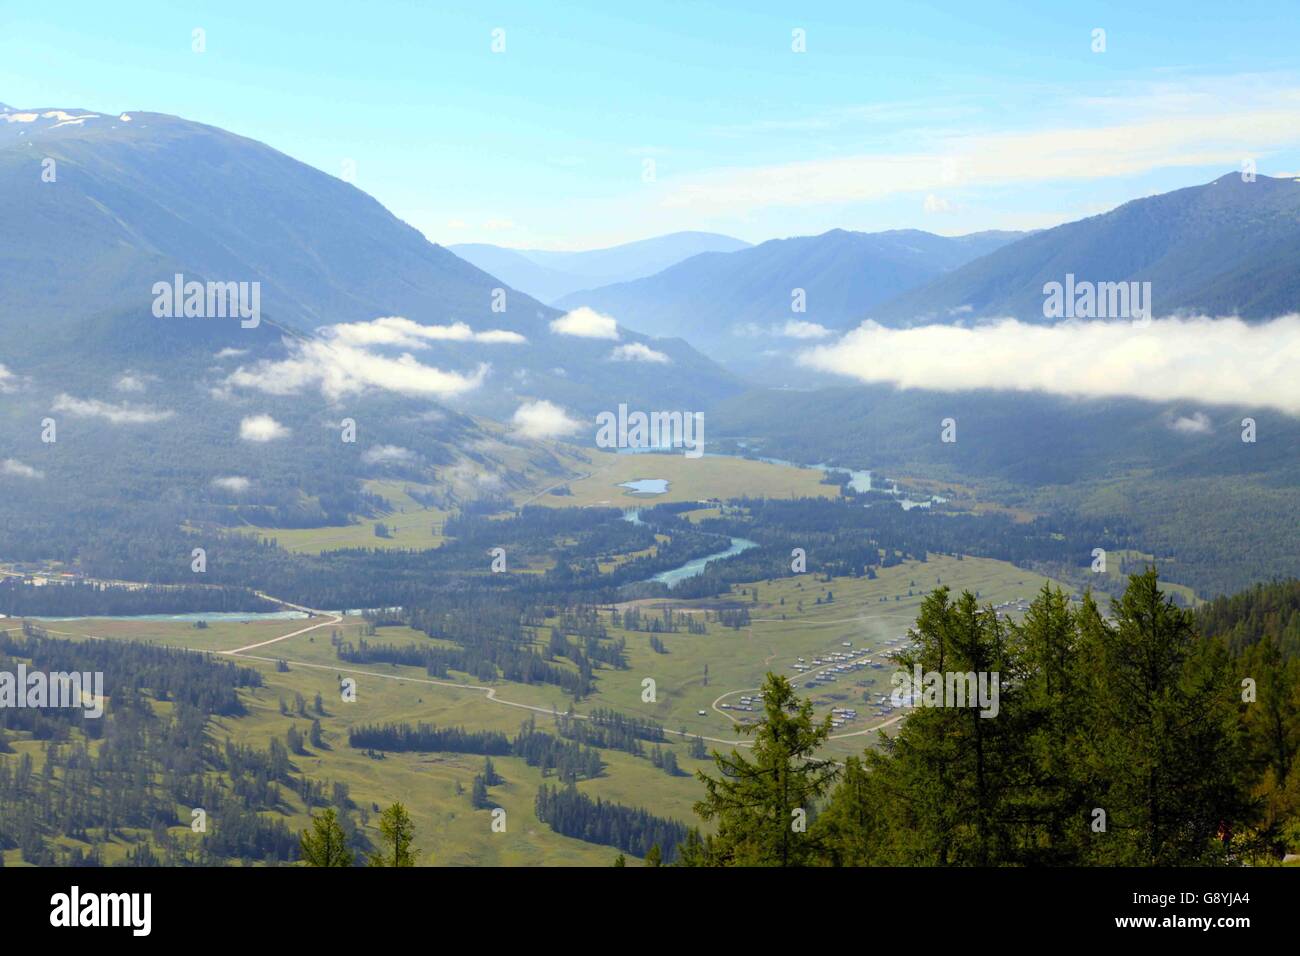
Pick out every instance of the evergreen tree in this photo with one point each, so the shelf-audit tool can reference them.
(396, 833)
(758, 804)
(1164, 744)
(325, 843)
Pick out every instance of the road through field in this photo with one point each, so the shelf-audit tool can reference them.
(490, 693)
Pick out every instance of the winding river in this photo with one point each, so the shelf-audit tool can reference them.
(696, 565)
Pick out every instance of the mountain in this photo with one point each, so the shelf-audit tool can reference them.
(551, 275)
(735, 305)
(1222, 248)
(99, 208)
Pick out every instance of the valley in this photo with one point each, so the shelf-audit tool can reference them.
(670, 438)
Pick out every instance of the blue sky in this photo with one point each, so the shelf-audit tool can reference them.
(950, 117)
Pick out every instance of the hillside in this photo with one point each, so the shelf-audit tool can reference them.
(736, 305)
(1219, 249)
(134, 199)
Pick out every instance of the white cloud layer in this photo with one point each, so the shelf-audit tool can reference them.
(1109, 136)
(113, 414)
(638, 352)
(801, 329)
(7, 380)
(16, 469)
(1216, 361)
(543, 419)
(261, 428)
(586, 323)
(235, 484)
(395, 330)
(339, 370)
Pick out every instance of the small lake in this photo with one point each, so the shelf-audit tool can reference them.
(646, 486)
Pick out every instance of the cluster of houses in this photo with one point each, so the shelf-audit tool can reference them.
(1006, 607)
(747, 702)
(842, 715)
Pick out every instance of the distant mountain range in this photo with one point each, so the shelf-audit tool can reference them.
(736, 305)
(549, 275)
(1226, 247)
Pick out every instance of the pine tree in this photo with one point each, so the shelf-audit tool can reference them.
(950, 768)
(325, 843)
(397, 833)
(758, 804)
(478, 796)
(1164, 743)
(654, 857)
(849, 832)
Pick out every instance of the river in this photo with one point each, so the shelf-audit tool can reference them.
(696, 565)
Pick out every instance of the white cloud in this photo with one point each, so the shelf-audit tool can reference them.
(1196, 424)
(396, 330)
(231, 353)
(936, 204)
(129, 383)
(113, 414)
(1198, 359)
(793, 329)
(800, 329)
(387, 453)
(7, 380)
(637, 352)
(232, 483)
(1160, 131)
(17, 469)
(339, 370)
(586, 323)
(542, 419)
(261, 428)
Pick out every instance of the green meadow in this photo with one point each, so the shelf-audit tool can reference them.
(787, 621)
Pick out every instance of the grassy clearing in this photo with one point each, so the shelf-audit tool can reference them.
(410, 525)
(689, 479)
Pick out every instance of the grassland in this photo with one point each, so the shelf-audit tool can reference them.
(869, 614)
(410, 525)
(689, 479)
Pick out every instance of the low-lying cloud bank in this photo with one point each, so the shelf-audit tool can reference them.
(586, 323)
(261, 428)
(339, 370)
(1215, 361)
(402, 332)
(638, 352)
(543, 419)
(235, 484)
(16, 469)
(113, 414)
